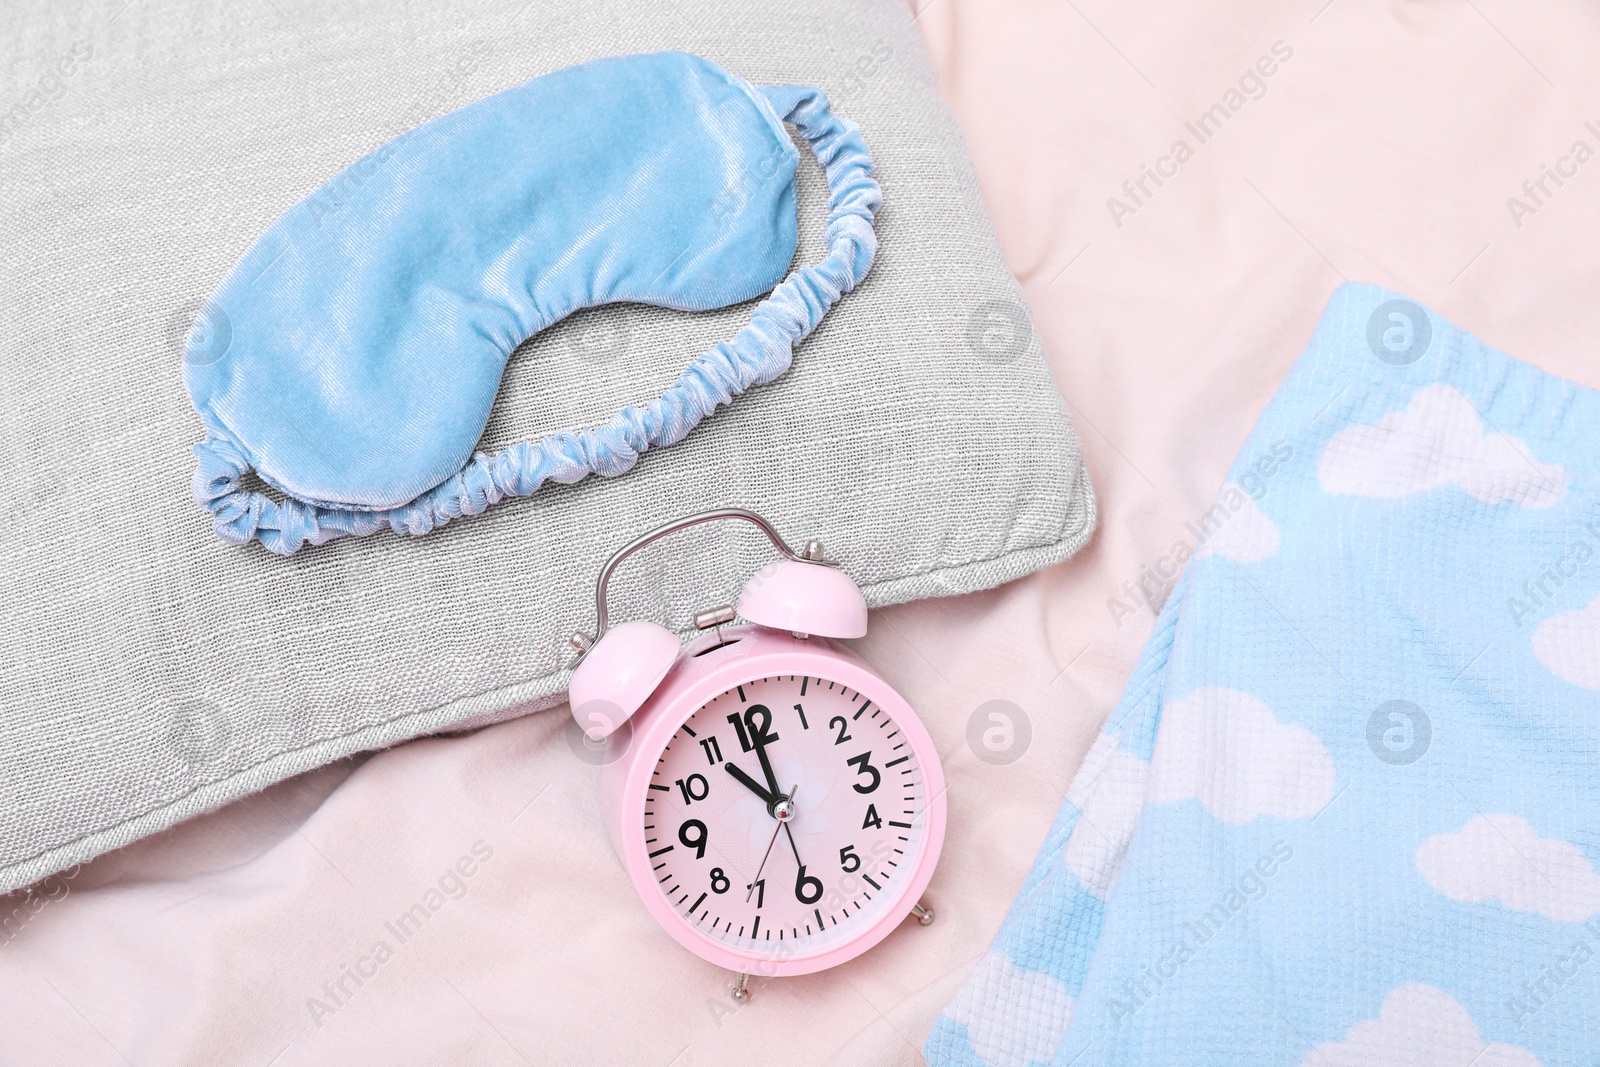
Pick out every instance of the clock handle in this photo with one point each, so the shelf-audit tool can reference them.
(581, 643)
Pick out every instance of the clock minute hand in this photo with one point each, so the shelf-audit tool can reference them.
(760, 746)
(769, 799)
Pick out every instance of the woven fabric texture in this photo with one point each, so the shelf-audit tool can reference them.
(1345, 812)
(149, 672)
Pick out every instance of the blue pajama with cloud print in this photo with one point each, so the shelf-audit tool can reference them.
(1347, 811)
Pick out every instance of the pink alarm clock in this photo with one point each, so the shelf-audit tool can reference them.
(779, 807)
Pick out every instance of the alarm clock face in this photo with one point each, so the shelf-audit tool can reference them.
(801, 852)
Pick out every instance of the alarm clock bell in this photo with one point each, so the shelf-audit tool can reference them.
(617, 671)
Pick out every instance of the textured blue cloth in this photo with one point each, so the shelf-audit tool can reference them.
(352, 357)
(1347, 811)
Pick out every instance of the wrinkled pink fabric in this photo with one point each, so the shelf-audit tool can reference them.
(1385, 149)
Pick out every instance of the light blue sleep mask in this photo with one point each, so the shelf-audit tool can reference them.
(352, 356)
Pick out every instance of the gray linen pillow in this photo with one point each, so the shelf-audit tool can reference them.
(149, 672)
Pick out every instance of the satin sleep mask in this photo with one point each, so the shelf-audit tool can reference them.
(352, 356)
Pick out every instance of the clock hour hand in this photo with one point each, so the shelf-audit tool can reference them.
(769, 799)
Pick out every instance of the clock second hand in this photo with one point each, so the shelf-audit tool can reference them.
(783, 823)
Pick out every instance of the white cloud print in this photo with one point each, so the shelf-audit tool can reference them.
(1500, 857)
(1109, 788)
(1227, 749)
(1568, 645)
(1013, 1017)
(1418, 1026)
(1439, 439)
(1245, 536)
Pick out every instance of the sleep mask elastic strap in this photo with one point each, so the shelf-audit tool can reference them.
(757, 354)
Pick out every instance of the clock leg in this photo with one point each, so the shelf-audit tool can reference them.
(741, 987)
(924, 915)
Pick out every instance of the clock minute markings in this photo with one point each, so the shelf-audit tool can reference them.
(874, 879)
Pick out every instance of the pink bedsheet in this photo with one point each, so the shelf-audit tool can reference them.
(1384, 146)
